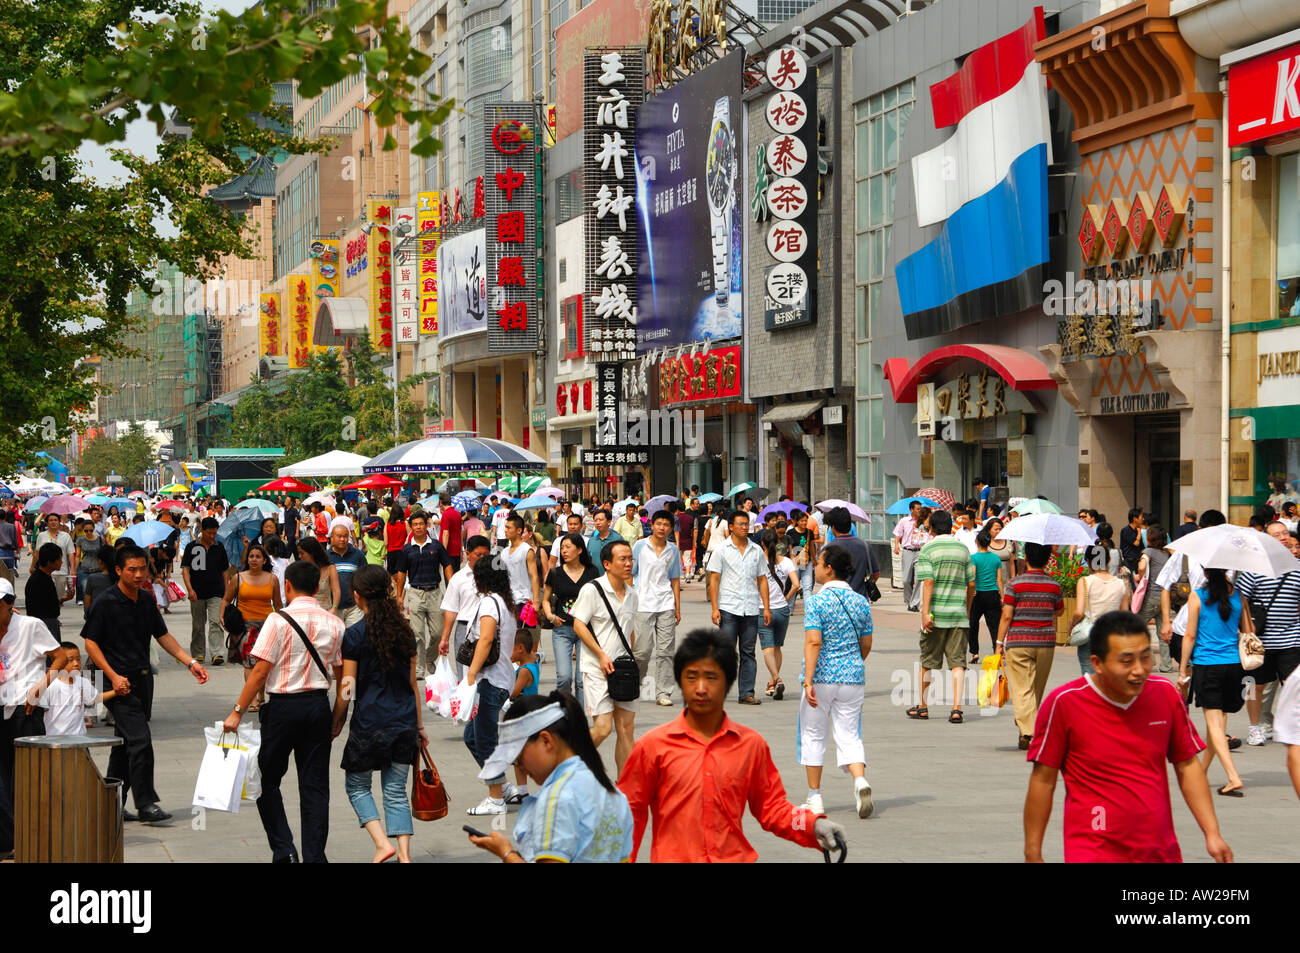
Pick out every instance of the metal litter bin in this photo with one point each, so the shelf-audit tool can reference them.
(64, 809)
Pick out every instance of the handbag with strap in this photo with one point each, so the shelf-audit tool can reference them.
(1251, 651)
(232, 620)
(428, 796)
(624, 682)
(315, 656)
(465, 654)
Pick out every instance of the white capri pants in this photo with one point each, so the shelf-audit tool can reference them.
(839, 711)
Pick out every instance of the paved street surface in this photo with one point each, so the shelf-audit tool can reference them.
(942, 792)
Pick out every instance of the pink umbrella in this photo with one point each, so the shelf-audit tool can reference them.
(554, 492)
(854, 510)
(172, 504)
(63, 505)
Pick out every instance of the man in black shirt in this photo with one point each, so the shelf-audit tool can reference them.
(1188, 525)
(203, 567)
(1130, 540)
(42, 597)
(425, 564)
(291, 520)
(122, 621)
(840, 524)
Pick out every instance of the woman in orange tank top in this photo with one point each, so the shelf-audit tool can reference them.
(256, 595)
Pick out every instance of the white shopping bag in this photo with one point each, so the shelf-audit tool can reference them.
(438, 691)
(464, 702)
(221, 773)
(249, 740)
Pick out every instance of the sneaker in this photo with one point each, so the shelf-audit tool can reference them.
(814, 804)
(862, 797)
(488, 806)
(663, 701)
(1268, 732)
(513, 795)
(1255, 736)
(541, 657)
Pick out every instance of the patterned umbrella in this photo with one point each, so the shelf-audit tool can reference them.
(942, 497)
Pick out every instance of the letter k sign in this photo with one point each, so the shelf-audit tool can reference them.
(1288, 73)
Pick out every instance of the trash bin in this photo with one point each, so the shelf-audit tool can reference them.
(64, 810)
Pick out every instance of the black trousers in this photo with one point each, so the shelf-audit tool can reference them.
(17, 725)
(132, 761)
(297, 724)
(986, 606)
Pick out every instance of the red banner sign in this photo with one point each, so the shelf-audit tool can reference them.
(710, 376)
(1264, 96)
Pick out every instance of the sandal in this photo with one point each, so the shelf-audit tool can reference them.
(771, 689)
(1234, 792)
(955, 717)
(780, 689)
(921, 712)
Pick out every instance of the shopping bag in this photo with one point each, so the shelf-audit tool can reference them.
(248, 740)
(1002, 689)
(177, 593)
(221, 774)
(439, 690)
(993, 692)
(464, 702)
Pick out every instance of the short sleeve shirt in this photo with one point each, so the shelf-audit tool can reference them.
(123, 627)
(1282, 596)
(843, 617)
(22, 653)
(574, 819)
(1034, 598)
(348, 563)
(946, 561)
(590, 608)
(654, 575)
(210, 581)
(501, 674)
(66, 704)
(1113, 758)
(384, 700)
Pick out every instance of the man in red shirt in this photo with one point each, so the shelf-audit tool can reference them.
(1110, 734)
(449, 531)
(697, 773)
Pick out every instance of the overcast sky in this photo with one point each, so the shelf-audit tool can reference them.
(140, 135)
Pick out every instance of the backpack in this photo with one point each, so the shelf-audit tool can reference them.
(1180, 590)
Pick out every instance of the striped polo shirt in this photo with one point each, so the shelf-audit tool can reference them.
(946, 561)
(1282, 596)
(1034, 598)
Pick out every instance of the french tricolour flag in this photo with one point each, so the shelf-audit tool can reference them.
(988, 186)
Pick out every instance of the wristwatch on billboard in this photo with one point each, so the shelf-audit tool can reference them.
(720, 187)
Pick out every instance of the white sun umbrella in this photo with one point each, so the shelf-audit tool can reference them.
(1234, 547)
(1050, 529)
(554, 492)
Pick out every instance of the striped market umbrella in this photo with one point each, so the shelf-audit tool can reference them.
(455, 455)
(945, 499)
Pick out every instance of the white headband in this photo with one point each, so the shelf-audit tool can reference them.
(513, 734)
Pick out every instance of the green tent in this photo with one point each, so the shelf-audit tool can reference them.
(531, 484)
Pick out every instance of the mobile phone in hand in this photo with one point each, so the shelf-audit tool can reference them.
(472, 832)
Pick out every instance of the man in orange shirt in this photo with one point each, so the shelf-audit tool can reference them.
(697, 773)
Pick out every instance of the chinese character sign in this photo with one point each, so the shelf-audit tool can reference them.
(429, 235)
(711, 376)
(406, 269)
(379, 215)
(510, 205)
(791, 173)
(300, 319)
(613, 86)
(269, 324)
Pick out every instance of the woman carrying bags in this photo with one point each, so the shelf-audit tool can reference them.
(577, 815)
(387, 728)
(256, 593)
(563, 583)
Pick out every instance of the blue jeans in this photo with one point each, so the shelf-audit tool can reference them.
(745, 629)
(806, 582)
(481, 733)
(1085, 658)
(81, 583)
(773, 636)
(568, 652)
(397, 812)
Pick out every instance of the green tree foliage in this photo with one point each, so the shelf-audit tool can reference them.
(73, 71)
(318, 409)
(128, 456)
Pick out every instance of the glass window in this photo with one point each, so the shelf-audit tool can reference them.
(891, 97)
(863, 243)
(874, 471)
(877, 424)
(864, 368)
(876, 214)
(877, 380)
(864, 428)
(862, 152)
(877, 145)
(873, 302)
(874, 103)
(864, 316)
(876, 267)
(861, 211)
(891, 138)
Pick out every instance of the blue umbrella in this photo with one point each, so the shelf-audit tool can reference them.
(465, 504)
(148, 533)
(265, 507)
(5, 492)
(97, 499)
(710, 497)
(535, 503)
(741, 488)
(905, 504)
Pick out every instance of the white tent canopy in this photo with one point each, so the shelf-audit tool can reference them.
(334, 463)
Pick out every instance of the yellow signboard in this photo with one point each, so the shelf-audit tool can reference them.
(428, 215)
(300, 319)
(324, 275)
(270, 324)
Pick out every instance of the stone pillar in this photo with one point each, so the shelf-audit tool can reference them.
(1027, 483)
(515, 401)
(947, 466)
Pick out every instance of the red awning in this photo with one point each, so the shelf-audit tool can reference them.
(1023, 371)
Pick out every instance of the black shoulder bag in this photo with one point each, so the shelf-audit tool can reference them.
(624, 682)
(315, 656)
(465, 654)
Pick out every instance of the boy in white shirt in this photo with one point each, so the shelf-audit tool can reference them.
(69, 698)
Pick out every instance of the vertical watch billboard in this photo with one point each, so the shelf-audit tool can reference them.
(690, 273)
(379, 215)
(324, 254)
(613, 87)
(510, 187)
(790, 158)
(428, 215)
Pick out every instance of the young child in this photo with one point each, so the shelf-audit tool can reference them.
(375, 545)
(69, 697)
(527, 674)
(158, 574)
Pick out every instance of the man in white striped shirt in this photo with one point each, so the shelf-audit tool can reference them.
(1275, 605)
(293, 660)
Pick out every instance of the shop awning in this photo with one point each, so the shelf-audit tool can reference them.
(339, 317)
(1020, 369)
(788, 413)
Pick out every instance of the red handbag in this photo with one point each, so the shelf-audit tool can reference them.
(428, 796)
